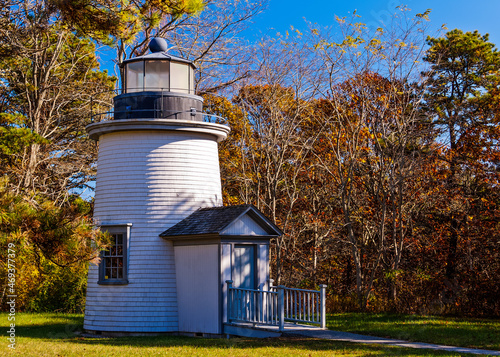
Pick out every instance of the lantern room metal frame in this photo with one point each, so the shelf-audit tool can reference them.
(158, 71)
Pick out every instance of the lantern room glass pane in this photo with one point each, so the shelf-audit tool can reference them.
(191, 80)
(156, 76)
(179, 80)
(135, 77)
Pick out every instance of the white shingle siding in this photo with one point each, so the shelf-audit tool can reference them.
(152, 179)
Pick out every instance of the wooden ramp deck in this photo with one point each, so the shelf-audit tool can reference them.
(273, 312)
(245, 329)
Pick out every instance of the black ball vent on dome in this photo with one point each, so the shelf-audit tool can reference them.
(158, 44)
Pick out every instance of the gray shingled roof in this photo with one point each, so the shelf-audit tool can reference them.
(214, 220)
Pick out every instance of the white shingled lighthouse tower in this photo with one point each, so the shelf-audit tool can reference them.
(157, 165)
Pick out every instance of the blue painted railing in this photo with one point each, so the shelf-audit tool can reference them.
(276, 306)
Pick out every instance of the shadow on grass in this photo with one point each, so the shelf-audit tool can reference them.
(67, 329)
(47, 325)
(293, 343)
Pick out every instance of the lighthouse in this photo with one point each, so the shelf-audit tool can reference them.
(158, 195)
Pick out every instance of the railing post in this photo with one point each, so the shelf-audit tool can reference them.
(229, 299)
(281, 307)
(323, 305)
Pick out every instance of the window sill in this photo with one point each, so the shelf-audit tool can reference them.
(112, 282)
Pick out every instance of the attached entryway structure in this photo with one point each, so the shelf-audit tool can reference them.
(211, 246)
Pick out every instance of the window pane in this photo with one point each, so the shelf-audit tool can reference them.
(113, 260)
(135, 77)
(191, 80)
(156, 76)
(179, 77)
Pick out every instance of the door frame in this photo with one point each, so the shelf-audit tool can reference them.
(254, 262)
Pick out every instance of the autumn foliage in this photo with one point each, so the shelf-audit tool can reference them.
(376, 152)
(374, 197)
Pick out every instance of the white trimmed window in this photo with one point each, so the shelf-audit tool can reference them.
(113, 265)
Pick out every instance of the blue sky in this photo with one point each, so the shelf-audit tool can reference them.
(467, 15)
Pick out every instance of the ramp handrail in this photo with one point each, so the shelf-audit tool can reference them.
(302, 305)
(277, 305)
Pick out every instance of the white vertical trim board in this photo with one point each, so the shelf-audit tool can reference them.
(263, 266)
(225, 275)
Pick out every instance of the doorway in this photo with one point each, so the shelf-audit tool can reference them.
(244, 266)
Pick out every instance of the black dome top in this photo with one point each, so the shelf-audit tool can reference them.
(158, 44)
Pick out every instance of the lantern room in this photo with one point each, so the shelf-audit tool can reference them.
(158, 71)
(158, 85)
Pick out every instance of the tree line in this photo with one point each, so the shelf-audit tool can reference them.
(378, 155)
(376, 151)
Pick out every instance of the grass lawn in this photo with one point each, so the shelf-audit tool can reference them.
(474, 333)
(57, 335)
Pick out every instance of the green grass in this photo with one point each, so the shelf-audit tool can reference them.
(57, 335)
(474, 333)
